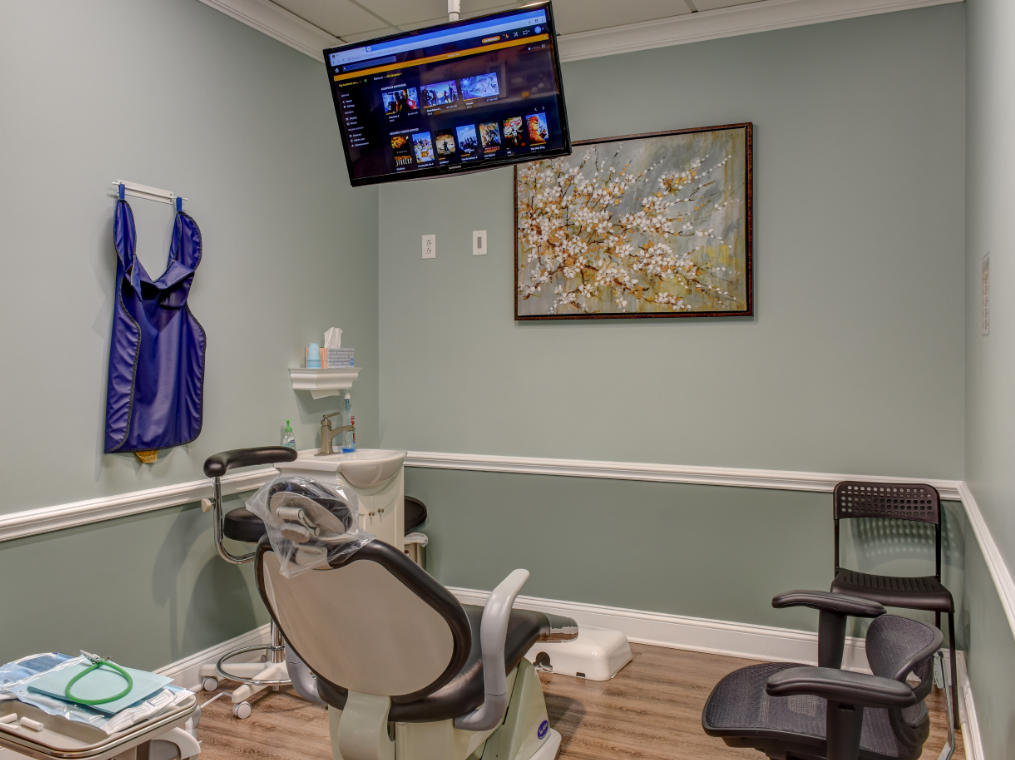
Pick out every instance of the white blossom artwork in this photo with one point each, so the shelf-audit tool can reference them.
(654, 225)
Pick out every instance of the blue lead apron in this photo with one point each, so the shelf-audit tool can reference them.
(156, 355)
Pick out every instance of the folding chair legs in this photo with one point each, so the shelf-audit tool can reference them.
(955, 672)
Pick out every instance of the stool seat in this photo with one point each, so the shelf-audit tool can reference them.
(242, 525)
(914, 593)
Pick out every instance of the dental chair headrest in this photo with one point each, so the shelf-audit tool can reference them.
(308, 522)
(308, 516)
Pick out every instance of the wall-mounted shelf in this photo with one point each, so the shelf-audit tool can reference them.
(323, 382)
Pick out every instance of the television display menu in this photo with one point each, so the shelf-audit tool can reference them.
(456, 97)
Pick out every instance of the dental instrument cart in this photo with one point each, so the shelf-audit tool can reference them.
(50, 737)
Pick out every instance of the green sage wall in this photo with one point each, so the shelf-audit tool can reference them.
(853, 363)
(990, 360)
(858, 336)
(175, 95)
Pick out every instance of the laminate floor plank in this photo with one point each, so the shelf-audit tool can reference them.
(650, 711)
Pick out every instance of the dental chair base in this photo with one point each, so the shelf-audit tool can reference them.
(360, 731)
(598, 654)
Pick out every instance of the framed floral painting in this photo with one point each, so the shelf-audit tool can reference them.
(656, 225)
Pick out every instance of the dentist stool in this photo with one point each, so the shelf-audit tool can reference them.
(239, 524)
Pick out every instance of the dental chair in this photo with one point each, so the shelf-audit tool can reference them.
(275, 667)
(407, 672)
(791, 711)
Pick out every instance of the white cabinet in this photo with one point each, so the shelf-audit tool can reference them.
(377, 478)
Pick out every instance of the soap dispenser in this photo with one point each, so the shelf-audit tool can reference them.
(349, 437)
(288, 436)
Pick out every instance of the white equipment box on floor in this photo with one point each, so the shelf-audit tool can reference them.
(597, 654)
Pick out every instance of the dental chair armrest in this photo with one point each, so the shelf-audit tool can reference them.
(826, 601)
(833, 610)
(843, 686)
(493, 638)
(219, 464)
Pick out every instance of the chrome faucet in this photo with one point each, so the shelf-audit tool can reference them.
(328, 434)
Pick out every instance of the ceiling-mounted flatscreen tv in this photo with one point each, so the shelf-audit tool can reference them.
(457, 97)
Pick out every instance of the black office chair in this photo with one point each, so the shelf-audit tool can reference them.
(798, 712)
(898, 501)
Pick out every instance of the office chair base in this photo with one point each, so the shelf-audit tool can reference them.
(524, 733)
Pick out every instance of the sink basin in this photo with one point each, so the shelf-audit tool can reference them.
(363, 468)
(371, 467)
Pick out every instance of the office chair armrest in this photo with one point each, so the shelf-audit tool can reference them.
(829, 602)
(493, 638)
(859, 689)
(833, 610)
(217, 465)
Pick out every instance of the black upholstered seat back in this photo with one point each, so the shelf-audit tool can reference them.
(371, 621)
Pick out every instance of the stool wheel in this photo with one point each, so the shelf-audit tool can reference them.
(210, 683)
(242, 710)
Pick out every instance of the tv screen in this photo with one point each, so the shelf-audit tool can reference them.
(456, 97)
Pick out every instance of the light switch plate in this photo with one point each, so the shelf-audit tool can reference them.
(479, 242)
(429, 246)
(985, 293)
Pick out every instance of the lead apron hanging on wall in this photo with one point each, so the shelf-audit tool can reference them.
(156, 355)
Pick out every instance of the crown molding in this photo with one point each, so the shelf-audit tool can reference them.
(762, 16)
(278, 23)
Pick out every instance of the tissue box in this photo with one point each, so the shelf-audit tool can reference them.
(338, 357)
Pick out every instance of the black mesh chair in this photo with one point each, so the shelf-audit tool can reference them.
(899, 501)
(791, 711)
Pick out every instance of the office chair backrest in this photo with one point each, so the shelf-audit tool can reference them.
(899, 501)
(899, 648)
(372, 622)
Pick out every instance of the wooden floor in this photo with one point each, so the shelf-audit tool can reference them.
(651, 710)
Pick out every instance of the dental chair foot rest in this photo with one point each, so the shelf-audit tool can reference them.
(597, 654)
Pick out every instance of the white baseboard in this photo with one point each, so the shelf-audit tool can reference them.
(971, 739)
(186, 672)
(754, 642)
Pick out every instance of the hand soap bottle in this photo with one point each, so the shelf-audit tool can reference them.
(288, 436)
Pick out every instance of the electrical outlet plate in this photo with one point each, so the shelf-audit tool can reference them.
(479, 242)
(429, 246)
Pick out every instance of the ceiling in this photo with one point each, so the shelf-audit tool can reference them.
(355, 20)
(586, 28)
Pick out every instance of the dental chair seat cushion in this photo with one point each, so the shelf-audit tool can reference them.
(243, 525)
(464, 692)
(740, 711)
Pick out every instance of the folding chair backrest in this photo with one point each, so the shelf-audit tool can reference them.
(918, 502)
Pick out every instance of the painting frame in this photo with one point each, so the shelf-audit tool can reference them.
(746, 308)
